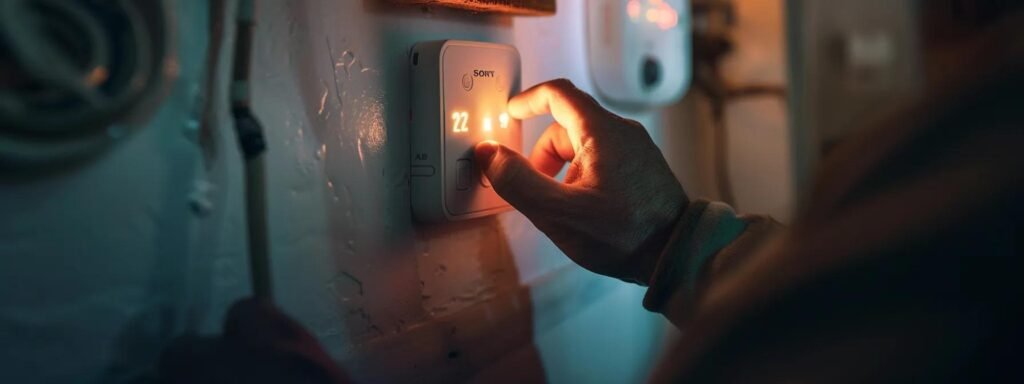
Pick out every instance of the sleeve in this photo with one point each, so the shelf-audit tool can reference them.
(709, 239)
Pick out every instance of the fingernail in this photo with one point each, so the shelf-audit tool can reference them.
(485, 151)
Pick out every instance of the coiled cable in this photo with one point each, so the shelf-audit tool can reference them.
(70, 70)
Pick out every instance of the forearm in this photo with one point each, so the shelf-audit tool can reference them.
(708, 241)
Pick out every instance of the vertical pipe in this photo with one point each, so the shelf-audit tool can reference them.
(252, 145)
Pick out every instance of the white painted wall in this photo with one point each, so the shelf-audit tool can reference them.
(102, 264)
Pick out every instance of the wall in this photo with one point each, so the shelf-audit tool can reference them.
(855, 60)
(100, 265)
(760, 156)
(761, 163)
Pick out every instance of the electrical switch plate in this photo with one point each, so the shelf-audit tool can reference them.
(459, 94)
(639, 50)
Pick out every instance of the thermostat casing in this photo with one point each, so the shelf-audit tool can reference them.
(640, 50)
(459, 91)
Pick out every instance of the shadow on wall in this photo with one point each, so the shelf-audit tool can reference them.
(412, 303)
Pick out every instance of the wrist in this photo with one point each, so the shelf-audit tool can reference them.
(662, 238)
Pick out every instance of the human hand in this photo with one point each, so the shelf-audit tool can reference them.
(615, 209)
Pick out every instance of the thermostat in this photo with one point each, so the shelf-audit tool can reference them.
(640, 50)
(460, 90)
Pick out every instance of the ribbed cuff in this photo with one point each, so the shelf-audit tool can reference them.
(703, 230)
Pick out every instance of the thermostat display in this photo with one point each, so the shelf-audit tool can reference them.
(459, 94)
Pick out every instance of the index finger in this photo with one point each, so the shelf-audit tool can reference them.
(570, 106)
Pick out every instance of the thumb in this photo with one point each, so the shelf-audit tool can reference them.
(514, 178)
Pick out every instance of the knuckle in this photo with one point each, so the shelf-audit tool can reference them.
(632, 123)
(630, 129)
(561, 84)
(563, 88)
(587, 97)
(588, 147)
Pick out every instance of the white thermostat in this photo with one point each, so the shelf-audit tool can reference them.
(639, 50)
(460, 90)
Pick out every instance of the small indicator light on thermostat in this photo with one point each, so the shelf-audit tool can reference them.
(656, 12)
(633, 9)
(503, 120)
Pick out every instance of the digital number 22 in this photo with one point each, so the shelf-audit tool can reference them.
(460, 121)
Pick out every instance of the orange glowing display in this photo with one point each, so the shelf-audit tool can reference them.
(503, 120)
(460, 122)
(656, 12)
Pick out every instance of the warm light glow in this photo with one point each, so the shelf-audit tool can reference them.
(460, 121)
(503, 120)
(668, 18)
(487, 124)
(653, 15)
(633, 9)
(656, 12)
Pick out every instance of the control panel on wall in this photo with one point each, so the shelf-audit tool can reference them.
(460, 90)
(640, 50)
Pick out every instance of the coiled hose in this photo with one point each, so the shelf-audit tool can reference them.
(70, 70)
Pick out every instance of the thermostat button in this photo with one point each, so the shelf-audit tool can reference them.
(463, 174)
